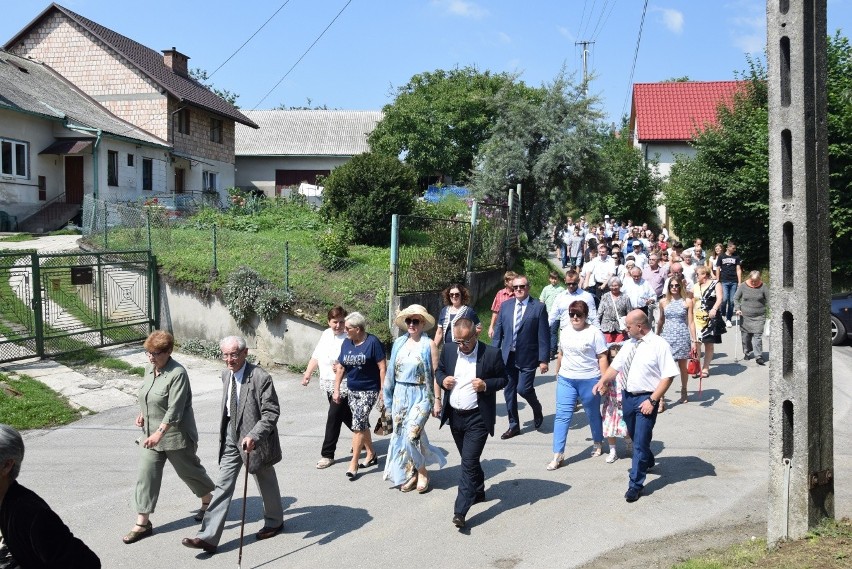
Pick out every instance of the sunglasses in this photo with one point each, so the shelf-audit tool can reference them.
(576, 315)
(674, 286)
(570, 284)
(414, 321)
(455, 294)
(519, 287)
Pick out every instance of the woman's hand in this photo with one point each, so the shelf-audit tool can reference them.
(306, 379)
(153, 440)
(436, 409)
(140, 420)
(335, 396)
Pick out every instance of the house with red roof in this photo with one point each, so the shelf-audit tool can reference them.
(153, 91)
(664, 117)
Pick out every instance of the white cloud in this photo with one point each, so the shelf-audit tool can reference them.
(753, 44)
(504, 37)
(563, 31)
(462, 8)
(672, 19)
(747, 25)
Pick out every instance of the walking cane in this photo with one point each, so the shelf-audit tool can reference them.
(243, 520)
(737, 322)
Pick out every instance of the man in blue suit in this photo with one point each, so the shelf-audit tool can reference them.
(523, 336)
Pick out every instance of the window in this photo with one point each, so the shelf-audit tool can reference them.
(112, 168)
(182, 121)
(42, 188)
(211, 180)
(130, 160)
(13, 158)
(216, 130)
(147, 174)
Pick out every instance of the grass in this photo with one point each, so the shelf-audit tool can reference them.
(32, 405)
(18, 237)
(827, 546)
(88, 355)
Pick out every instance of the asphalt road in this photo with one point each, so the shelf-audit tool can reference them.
(708, 489)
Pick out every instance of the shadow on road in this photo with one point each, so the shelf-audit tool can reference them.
(674, 469)
(511, 494)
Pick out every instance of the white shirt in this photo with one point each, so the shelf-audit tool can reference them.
(239, 377)
(652, 363)
(601, 270)
(580, 350)
(638, 293)
(639, 258)
(564, 300)
(326, 353)
(689, 271)
(463, 396)
(700, 257)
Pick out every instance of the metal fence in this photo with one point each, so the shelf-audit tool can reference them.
(194, 251)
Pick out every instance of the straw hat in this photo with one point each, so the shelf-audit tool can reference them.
(415, 310)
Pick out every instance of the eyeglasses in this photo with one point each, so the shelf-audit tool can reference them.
(414, 321)
(570, 284)
(155, 354)
(519, 287)
(231, 355)
(465, 341)
(576, 315)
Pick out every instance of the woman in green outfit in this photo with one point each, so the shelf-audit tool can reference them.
(169, 433)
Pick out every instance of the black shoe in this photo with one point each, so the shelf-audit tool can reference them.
(538, 420)
(510, 433)
(479, 498)
(748, 357)
(458, 521)
(760, 361)
(372, 462)
(195, 543)
(268, 532)
(632, 494)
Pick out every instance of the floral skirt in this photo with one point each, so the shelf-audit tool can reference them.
(361, 403)
(409, 449)
(613, 420)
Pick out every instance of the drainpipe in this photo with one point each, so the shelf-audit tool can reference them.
(95, 153)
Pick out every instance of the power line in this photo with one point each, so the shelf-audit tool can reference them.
(250, 38)
(582, 16)
(635, 56)
(589, 21)
(306, 53)
(602, 26)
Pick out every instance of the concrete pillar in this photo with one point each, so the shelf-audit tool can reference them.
(801, 452)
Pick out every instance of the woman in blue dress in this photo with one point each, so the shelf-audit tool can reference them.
(676, 325)
(409, 395)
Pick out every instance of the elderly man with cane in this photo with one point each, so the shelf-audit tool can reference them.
(648, 368)
(248, 434)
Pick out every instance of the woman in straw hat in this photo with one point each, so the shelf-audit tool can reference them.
(409, 395)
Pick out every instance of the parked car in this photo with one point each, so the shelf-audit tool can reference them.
(841, 318)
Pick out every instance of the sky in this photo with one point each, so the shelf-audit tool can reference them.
(375, 46)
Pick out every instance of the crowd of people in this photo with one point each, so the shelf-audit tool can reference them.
(636, 307)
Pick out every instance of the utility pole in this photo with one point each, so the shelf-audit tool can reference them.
(585, 44)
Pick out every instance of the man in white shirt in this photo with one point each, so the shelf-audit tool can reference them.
(648, 366)
(566, 297)
(637, 250)
(697, 251)
(600, 270)
(637, 289)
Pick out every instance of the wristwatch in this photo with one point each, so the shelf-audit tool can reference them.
(653, 402)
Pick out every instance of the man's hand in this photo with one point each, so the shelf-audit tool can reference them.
(600, 387)
(449, 382)
(248, 444)
(478, 385)
(646, 408)
(543, 367)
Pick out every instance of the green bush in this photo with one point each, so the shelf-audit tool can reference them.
(366, 192)
(333, 245)
(272, 302)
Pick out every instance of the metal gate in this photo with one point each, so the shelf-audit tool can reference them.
(53, 303)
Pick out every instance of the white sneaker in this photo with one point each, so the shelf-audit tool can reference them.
(324, 462)
(611, 458)
(728, 323)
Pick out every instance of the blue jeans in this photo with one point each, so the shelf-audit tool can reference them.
(563, 250)
(641, 429)
(728, 292)
(567, 392)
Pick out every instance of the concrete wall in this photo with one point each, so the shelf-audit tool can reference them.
(286, 340)
(258, 172)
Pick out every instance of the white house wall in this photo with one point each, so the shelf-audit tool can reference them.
(129, 177)
(258, 172)
(39, 134)
(665, 154)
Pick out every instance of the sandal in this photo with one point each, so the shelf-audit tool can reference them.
(422, 489)
(683, 397)
(199, 516)
(705, 373)
(135, 536)
(556, 462)
(662, 406)
(597, 451)
(409, 484)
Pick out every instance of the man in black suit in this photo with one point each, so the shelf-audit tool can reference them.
(470, 376)
(523, 336)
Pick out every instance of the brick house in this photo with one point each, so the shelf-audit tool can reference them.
(149, 89)
(294, 146)
(58, 144)
(664, 118)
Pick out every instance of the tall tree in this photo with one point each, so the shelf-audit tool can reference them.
(202, 77)
(439, 119)
(545, 139)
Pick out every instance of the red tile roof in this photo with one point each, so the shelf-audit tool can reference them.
(676, 110)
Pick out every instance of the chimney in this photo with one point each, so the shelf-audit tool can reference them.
(176, 61)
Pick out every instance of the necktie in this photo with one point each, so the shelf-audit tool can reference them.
(627, 363)
(234, 403)
(519, 312)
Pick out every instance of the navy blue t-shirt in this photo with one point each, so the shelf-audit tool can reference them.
(362, 363)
